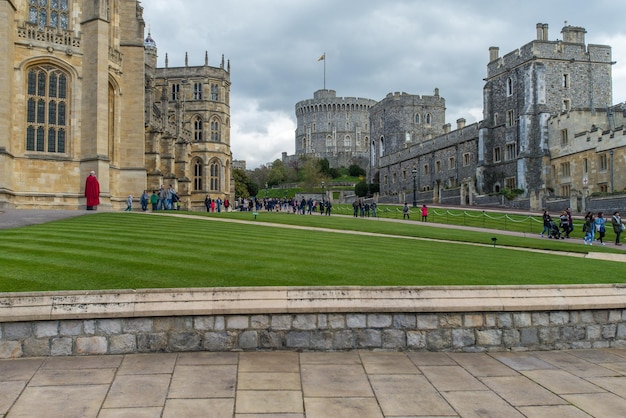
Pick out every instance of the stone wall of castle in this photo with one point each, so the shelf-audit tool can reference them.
(64, 114)
(188, 129)
(335, 128)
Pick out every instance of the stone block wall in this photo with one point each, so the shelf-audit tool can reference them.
(437, 331)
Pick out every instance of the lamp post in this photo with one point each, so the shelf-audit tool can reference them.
(414, 172)
(611, 162)
(323, 192)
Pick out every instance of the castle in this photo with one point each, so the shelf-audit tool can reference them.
(83, 94)
(549, 132)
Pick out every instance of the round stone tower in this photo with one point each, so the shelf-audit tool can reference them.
(335, 128)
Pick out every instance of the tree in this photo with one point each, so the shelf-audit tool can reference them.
(361, 189)
(324, 166)
(355, 171)
(241, 183)
(277, 174)
(244, 186)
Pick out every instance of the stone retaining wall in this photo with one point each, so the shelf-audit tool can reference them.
(434, 319)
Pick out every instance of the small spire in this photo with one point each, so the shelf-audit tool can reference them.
(222, 65)
(186, 60)
(166, 60)
(228, 66)
(206, 58)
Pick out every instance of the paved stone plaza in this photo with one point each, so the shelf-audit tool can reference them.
(579, 383)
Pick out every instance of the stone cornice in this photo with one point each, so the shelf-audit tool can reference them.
(44, 306)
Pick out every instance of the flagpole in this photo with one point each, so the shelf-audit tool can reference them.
(324, 70)
(323, 58)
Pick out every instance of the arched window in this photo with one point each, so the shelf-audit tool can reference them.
(198, 173)
(382, 146)
(197, 128)
(509, 86)
(49, 13)
(215, 92)
(215, 130)
(214, 178)
(428, 118)
(417, 118)
(46, 110)
(346, 141)
(329, 141)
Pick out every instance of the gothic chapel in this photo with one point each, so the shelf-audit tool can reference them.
(73, 74)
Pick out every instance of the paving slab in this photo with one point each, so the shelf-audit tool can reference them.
(290, 384)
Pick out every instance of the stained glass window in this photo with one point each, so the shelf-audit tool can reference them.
(46, 109)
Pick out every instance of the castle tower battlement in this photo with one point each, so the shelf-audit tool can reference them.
(335, 128)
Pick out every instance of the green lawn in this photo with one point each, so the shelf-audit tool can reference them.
(130, 250)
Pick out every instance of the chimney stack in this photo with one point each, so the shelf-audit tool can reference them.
(494, 52)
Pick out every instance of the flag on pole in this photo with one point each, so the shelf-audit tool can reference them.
(323, 57)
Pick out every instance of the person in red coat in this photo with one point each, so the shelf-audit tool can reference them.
(92, 191)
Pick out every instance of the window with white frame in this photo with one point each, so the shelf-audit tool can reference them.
(497, 155)
(603, 162)
(197, 91)
(215, 92)
(511, 151)
(510, 118)
(467, 159)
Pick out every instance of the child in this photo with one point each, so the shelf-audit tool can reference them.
(129, 204)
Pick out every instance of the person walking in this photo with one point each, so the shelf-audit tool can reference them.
(424, 213)
(143, 200)
(588, 228)
(618, 226)
(599, 227)
(546, 223)
(154, 200)
(129, 204)
(373, 209)
(405, 211)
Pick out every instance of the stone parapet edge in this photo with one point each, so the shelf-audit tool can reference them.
(43, 306)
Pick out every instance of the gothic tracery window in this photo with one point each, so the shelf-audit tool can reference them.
(214, 177)
(215, 130)
(198, 172)
(46, 110)
(215, 95)
(197, 129)
(49, 13)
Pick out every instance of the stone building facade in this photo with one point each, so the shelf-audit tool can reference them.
(188, 129)
(523, 90)
(72, 75)
(587, 153)
(84, 94)
(335, 128)
(538, 101)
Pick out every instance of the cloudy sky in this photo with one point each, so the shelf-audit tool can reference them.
(372, 48)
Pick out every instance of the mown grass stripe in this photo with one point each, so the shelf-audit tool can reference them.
(115, 250)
